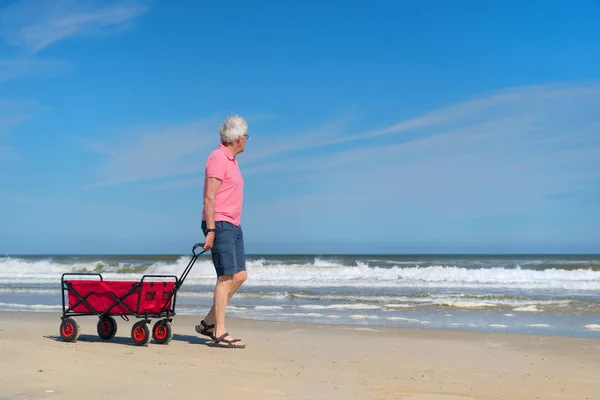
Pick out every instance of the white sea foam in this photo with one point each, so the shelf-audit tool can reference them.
(320, 273)
(530, 308)
(201, 295)
(43, 271)
(413, 320)
(393, 306)
(593, 327)
(466, 304)
(360, 316)
(235, 308)
(310, 315)
(498, 326)
(353, 306)
(538, 326)
(37, 290)
(17, 306)
(359, 298)
(325, 264)
(359, 329)
(443, 299)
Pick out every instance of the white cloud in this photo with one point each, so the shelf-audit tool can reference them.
(5, 152)
(11, 69)
(178, 184)
(483, 108)
(176, 151)
(156, 153)
(12, 113)
(37, 24)
(505, 153)
(282, 142)
(508, 152)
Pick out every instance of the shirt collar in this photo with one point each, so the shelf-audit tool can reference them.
(226, 151)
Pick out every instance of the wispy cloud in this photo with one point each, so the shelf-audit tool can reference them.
(509, 152)
(154, 153)
(17, 68)
(37, 24)
(172, 152)
(282, 142)
(12, 113)
(505, 152)
(483, 108)
(5, 152)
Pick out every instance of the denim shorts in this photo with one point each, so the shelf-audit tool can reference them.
(228, 254)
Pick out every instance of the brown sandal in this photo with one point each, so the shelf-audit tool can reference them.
(203, 330)
(217, 342)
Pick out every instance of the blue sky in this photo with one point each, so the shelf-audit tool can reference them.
(388, 126)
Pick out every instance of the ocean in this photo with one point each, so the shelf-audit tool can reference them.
(536, 294)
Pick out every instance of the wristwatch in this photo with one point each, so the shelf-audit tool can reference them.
(210, 230)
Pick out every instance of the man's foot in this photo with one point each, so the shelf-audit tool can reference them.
(204, 329)
(227, 341)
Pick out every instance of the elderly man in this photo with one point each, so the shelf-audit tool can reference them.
(223, 195)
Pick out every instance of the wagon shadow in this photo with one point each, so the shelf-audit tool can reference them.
(120, 340)
(127, 341)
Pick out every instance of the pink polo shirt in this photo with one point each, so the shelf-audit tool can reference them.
(228, 202)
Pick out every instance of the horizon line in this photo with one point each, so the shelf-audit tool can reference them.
(321, 253)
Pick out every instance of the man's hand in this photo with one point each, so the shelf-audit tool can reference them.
(210, 239)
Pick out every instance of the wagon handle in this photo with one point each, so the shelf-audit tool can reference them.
(191, 264)
(196, 246)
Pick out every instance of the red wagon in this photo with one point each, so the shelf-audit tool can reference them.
(153, 296)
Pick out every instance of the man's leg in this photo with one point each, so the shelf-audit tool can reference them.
(237, 281)
(238, 277)
(223, 292)
(231, 274)
(220, 299)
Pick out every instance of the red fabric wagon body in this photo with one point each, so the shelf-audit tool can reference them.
(153, 297)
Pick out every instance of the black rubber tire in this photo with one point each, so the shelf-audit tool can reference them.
(69, 330)
(161, 332)
(107, 327)
(140, 333)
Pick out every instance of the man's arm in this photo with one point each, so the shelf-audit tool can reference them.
(212, 187)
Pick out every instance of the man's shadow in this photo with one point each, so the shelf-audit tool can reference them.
(128, 341)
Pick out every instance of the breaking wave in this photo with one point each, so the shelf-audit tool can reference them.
(318, 273)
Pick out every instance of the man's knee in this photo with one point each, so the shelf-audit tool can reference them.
(225, 280)
(240, 277)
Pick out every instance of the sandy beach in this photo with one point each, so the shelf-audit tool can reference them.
(292, 361)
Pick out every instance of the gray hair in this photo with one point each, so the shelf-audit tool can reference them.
(233, 128)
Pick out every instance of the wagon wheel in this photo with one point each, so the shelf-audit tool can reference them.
(140, 333)
(69, 330)
(161, 332)
(107, 327)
